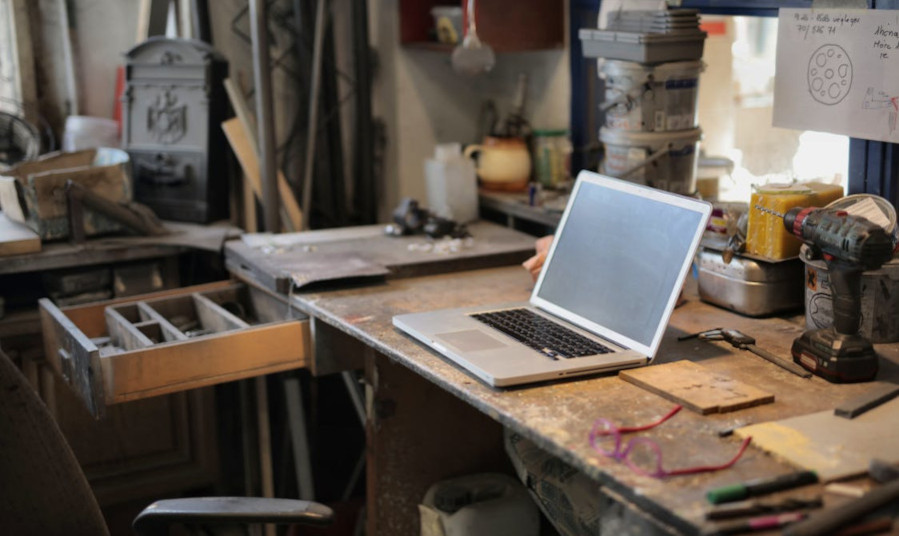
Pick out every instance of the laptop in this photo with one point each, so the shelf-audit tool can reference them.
(603, 299)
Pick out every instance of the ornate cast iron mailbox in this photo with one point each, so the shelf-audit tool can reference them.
(173, 106)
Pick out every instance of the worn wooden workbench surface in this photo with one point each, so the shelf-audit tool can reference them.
(331, 255)
(104, 250)
(558, 416)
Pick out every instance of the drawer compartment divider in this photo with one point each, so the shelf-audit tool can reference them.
(169, 331)
(126, 334)
(216, 318)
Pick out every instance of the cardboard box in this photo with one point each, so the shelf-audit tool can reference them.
(34, 192)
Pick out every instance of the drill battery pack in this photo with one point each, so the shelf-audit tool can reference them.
(836, 358)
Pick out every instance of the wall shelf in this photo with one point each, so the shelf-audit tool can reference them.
(507, 25)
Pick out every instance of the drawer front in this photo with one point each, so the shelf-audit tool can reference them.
(143, 346)
(73, 356)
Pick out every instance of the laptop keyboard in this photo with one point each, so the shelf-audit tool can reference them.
(541, 334)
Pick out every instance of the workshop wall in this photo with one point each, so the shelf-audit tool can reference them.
(102, 31)
(417, 96)
(424, 102)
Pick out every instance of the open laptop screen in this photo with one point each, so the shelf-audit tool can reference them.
(618, 257)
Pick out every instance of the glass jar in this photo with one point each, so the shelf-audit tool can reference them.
(552, 155)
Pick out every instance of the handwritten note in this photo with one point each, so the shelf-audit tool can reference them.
(838, 71)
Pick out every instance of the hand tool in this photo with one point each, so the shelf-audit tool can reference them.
(849, 245)
(882, 471)
(829, 520)
(740, 340)
(409, 218)
(761, 486)
(879, 525)
(760, 523)
(757, 507)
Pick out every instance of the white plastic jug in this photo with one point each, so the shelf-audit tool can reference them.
(451, 184)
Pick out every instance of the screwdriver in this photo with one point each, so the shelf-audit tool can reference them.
(740, 340)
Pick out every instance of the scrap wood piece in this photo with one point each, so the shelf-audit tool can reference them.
(291, 216)
(875, 395)
(696, 387)
(247, 120)
(17, 238)
(834, 447)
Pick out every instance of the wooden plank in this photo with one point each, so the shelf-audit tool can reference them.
(696, 387)
(208, 360)
(878, 393)
(16, 238)
(151, 19)
(294, 215)
(244, 115)
(291, 215)
(106, 181)
(834, 447)
(248, 121)
(55, 160)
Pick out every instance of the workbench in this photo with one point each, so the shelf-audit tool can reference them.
(429, 420)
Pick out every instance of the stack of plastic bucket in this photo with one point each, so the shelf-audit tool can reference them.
(650, 133)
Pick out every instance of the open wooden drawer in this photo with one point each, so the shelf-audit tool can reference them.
(132, 348)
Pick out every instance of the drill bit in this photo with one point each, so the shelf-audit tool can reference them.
(769, 211)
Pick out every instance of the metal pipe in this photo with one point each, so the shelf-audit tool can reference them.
(200, 20)
(266, 131)
(365, 189)
(68, 58)
(312, 132)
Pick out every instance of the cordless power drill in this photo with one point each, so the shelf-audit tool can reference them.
(849, 245)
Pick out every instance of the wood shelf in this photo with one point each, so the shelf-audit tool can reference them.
(506, 25)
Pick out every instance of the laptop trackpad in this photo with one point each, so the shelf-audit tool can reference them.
(470, 340)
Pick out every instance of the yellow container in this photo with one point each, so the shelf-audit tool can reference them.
(766, 235)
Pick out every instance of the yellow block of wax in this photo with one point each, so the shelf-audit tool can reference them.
(825, 194)
(766, 235)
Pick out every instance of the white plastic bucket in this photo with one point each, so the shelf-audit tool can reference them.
(84, 132)
(651, 98)
(663, 160)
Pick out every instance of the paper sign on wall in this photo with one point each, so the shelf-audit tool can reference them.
(838, 71)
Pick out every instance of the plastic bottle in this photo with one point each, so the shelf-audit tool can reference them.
(451, 184)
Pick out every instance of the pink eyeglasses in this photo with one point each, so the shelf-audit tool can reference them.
(642, 455)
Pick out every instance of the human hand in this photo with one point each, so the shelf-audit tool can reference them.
(535, 263)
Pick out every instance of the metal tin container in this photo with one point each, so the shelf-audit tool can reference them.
(880, 299)
(749, 286)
